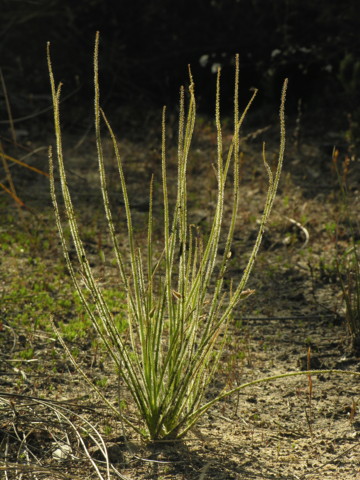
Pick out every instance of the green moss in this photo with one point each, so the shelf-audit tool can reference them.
(27, 354)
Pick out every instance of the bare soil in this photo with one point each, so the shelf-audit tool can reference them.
(296, 428)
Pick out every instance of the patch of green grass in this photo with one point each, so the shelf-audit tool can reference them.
(37, 286)
(101, 382)
(27, 354)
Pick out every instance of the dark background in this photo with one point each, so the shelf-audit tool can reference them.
(147, 45)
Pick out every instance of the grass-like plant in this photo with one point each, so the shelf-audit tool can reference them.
(347, 264)
(178, 309)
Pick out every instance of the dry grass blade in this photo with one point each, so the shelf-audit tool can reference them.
(23, 164)
(10, 190)
(59, 430)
